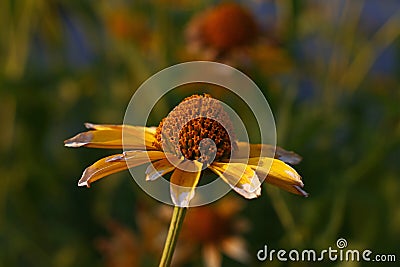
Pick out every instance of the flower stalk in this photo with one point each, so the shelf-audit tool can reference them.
(174, 229)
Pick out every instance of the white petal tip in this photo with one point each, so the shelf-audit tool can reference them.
(152, 177)
(247, 193)
(152, 174)
(301, 191)
(75, 144)
(116, 158)
(89, 125)
(83, 183)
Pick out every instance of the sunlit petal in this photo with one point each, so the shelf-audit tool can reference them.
(158, 169)
(129, 128)
(110, 136)
(100, 169)
(278, 173)
(97, 139)
(239, 177)
(245, 150)
(117, 163)
(132, 158)
(183, 182)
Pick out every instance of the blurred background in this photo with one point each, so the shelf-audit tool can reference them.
(329, 69)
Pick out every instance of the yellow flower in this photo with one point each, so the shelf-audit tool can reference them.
(197, 134)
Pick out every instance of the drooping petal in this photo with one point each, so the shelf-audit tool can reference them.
(278, 173)
(92, 126)
(183, 182)
(158, 169)
(97, 139)
(129, 128)
(239, 177)
(100, 169)
(132, 158)
(112, 137)
(246, 150)
(116, 163)
(132, 136)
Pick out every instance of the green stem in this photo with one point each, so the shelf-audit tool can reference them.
(174, 228)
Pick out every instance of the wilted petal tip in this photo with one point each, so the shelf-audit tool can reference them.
(247, 192)
(116, 158)
(293, 158)
(69, 143)
(84, 183)
(153, 176)
(301, 191)
(89, 125)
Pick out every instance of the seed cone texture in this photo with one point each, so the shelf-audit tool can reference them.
(198, 129)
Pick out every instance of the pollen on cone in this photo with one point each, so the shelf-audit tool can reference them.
(195, 119)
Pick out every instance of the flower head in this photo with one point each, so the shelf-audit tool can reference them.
(230, 33)
(197, 134)
(199, 122)
(222, 29)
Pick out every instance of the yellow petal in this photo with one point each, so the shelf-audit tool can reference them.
(132, 158)
(240, 177)
(100, 169)
(278, 173)
(183, 182)
(98, 139)
(158, 169)
(116, 163)
(246, 150)
(110, 136)
(92, 126)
